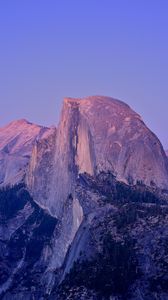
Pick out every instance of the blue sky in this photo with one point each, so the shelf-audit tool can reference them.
(55, 48)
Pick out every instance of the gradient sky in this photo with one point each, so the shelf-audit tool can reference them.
(55, 48)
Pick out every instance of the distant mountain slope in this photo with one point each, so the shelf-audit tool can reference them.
(16, 143)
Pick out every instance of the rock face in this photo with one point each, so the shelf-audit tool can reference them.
(16, 143)
(98, 134)
(40, 170)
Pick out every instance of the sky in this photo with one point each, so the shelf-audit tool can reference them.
(50, 49)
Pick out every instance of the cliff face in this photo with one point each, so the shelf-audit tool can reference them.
(100, 134)
(16, 143)
(51, 180)
(40, 170)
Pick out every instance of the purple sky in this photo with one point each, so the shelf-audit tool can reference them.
(51, 49)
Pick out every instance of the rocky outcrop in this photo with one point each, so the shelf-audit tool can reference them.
(16, 143)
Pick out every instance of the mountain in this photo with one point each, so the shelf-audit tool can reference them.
(89, 218)
(166, 152)
(95, 134)
(98, 134)
(16, 143)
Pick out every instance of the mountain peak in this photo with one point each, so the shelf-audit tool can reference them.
(21, 121)
(17, 122)
(95, 98)
(101, 105)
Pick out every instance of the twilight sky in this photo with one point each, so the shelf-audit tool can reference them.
(55, 48)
